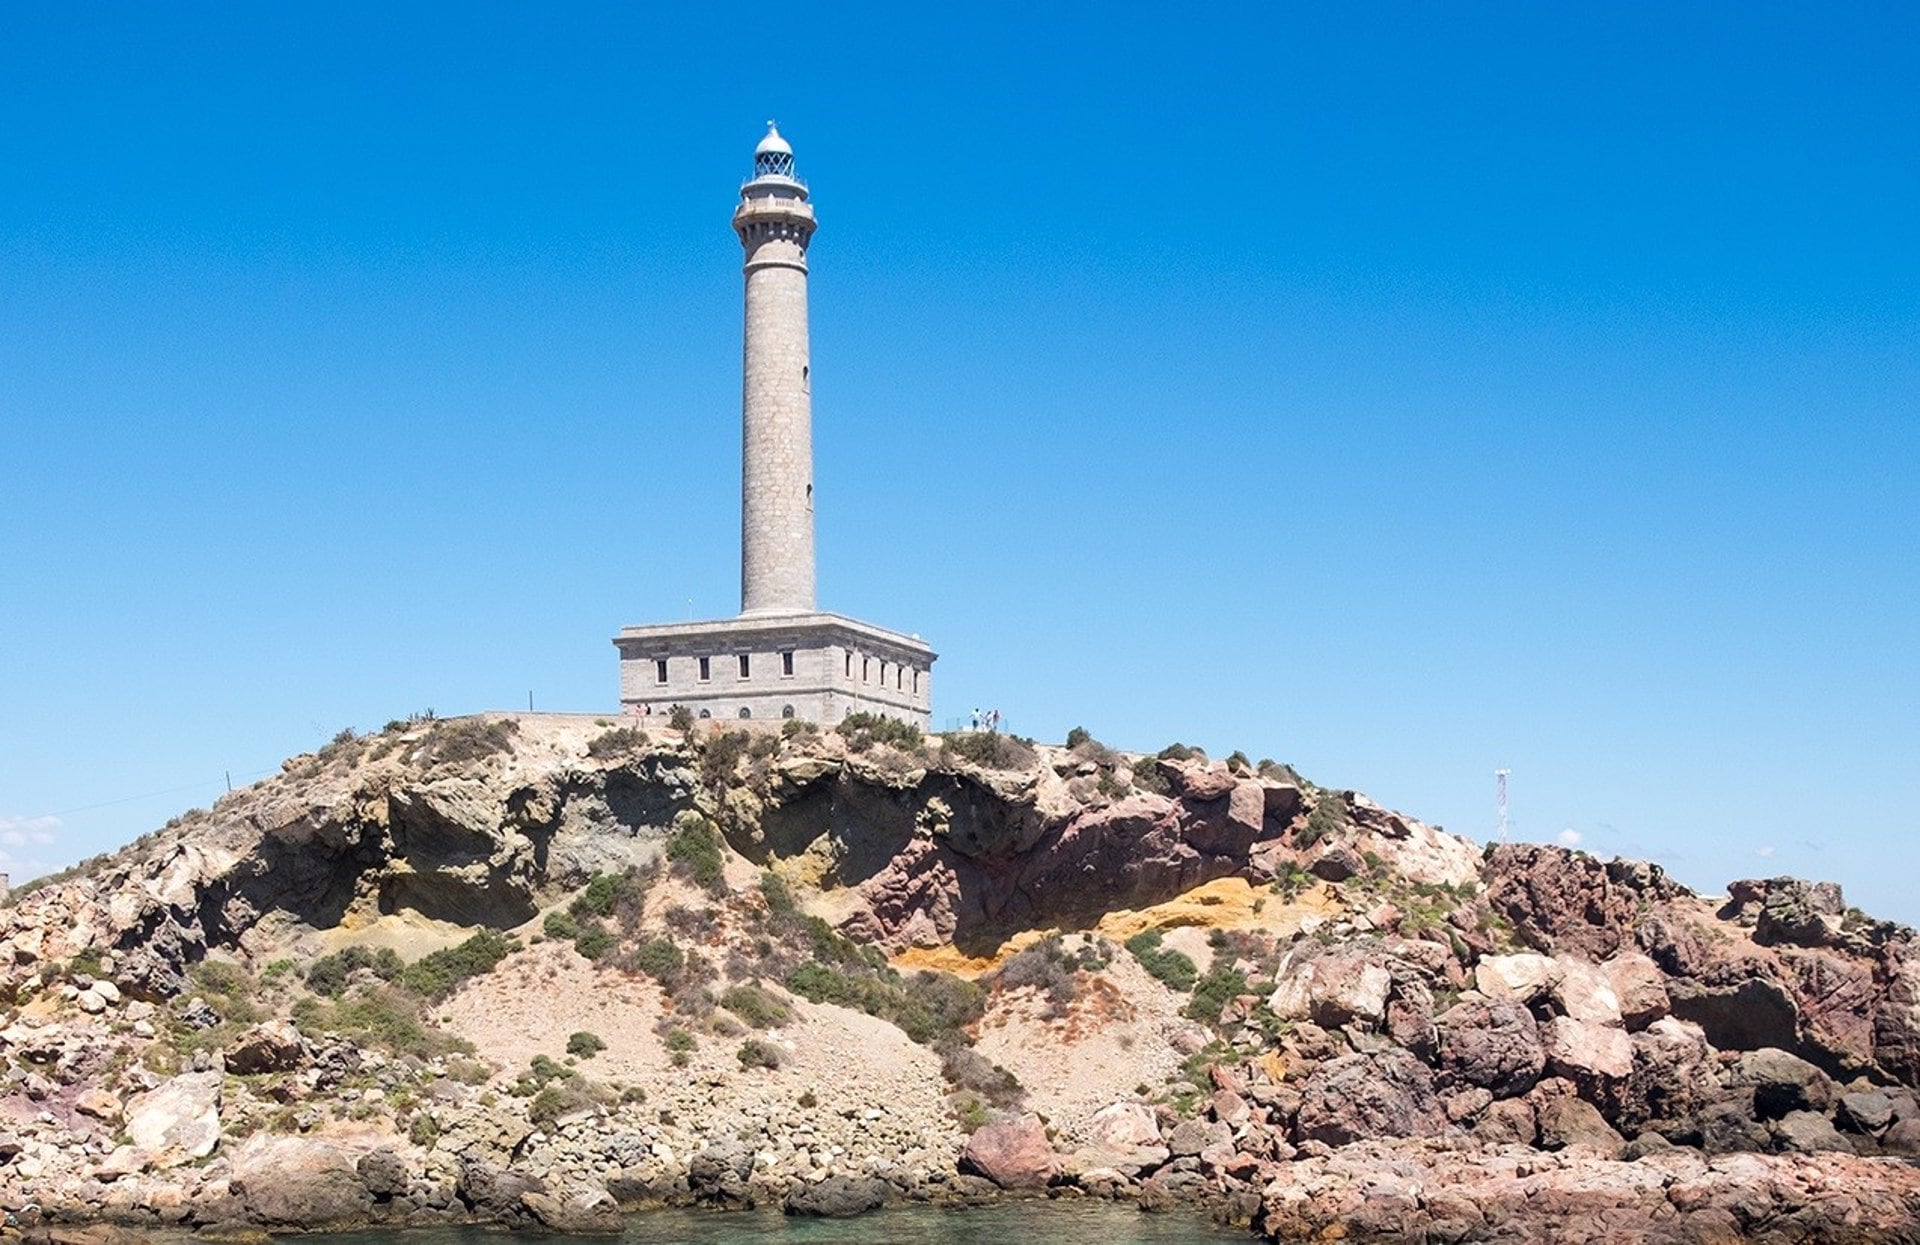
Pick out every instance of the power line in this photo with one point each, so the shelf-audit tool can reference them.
(150, 795)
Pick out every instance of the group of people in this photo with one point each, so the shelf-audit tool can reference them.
(989, 720)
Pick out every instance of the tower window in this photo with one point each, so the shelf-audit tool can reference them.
(786, 711)
(706, 713)
(865, 669)
(659, 670)
(745, 712)
(916, 682)
(899, 679)
(706, 669)
(786, 663)
(746, 666)
(849, 657)
(883, 674)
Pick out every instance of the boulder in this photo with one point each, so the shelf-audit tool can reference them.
(1509, 1122)
(837, 1197)
(1568, 1121)
(1597, 1058)
(583, 1216)
(179, 1121)
(1192, 1136)
(1673, 1075)
(1584, 992)
(1359, 1097)
(275, 1046)
(1520, 978)
(1865, 1111)
(1123, 1125)
(1563, 902)
(99, 1103)
(1639, 987)
(1332, 988)
(1336, 864)
(1013, 1153)
(383, 1172)
(1781, 1083)
(496, 1192)
(1494, 1045)
(296, 1182)
(1808, 1132)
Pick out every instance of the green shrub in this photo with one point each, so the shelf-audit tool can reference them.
(1328, 818)
(794, 728)
(967, 1069)
(720, 753)
(560, 925)
(593, 942)
(863, 730)
(438, 973)
(328, 974)
(779, 899)
(386, 1019)
(1170, 967)
(756, 1006)
(928, 1007)
(989, 750)
(617, 742)
(469, 739)
(602, 894)
(1147, 776)
(555, 1101)
(680, 718)
(659, 958)
(680, 1044)
(694, 851)
(1077, 737)
(424, 1131)
(970, 1113)
(755, 1053)
(584, 1045)
(1213, 992)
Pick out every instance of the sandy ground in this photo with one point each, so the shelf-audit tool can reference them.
(1113, 1038)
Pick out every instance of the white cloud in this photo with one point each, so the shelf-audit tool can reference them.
(1763, 851)
(27, 831)
(1569, 837)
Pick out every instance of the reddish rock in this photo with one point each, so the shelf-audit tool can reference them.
(1560, 901)
(1366, 1096)
(1493, 1045)
(1013, 1153)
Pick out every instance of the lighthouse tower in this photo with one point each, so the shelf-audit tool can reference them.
(781, 657)
(775, 223)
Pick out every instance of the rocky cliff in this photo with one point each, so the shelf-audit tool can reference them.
(533, 969)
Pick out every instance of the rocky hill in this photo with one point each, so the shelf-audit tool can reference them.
(537, 969)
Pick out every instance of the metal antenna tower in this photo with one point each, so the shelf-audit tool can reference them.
(1500, 799)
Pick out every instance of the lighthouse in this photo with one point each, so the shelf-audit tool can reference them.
(781, 657)
(775, 223)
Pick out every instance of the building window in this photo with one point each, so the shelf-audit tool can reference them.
(864, 664)
(706, 713)
(786, 711)
(786, 663)
(849, 657)
(916, 682)
(883, 674)
(706, 669)
(899, 678)
(746, 666)
(745, 712)
(659, 670)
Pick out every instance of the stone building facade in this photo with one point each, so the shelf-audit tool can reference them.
(782, 657)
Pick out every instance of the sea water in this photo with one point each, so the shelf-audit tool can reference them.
(1018, 1223)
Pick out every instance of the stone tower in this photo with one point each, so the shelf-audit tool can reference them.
(781, 658)
(775, 223)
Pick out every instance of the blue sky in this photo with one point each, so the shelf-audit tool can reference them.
(1401, 391)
